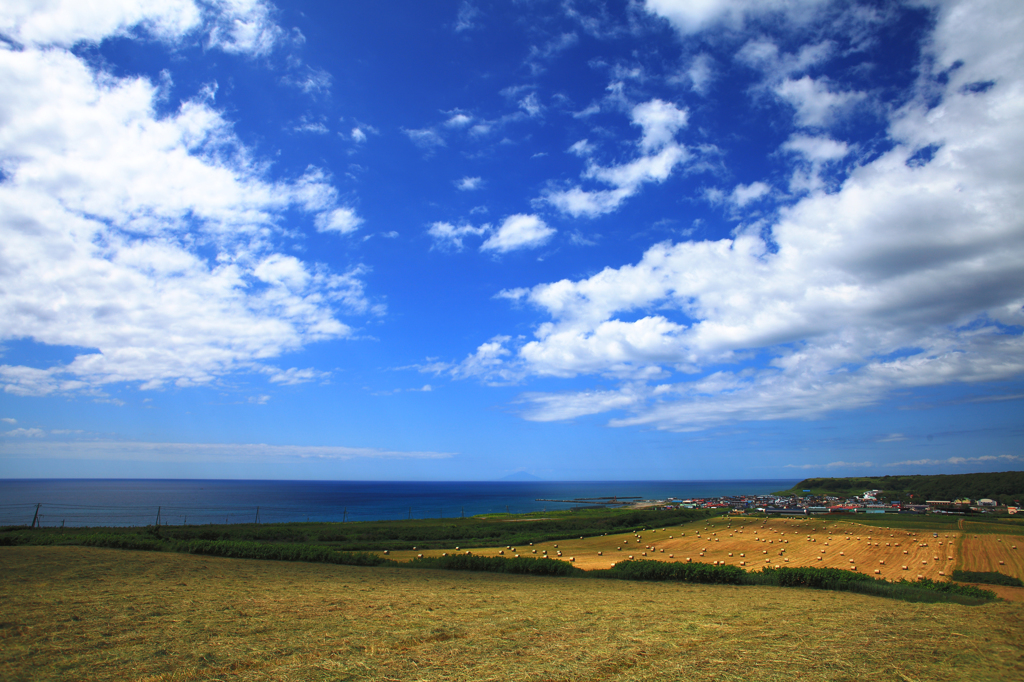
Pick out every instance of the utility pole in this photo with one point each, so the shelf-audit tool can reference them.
(344, 515)
(257, 515)
(35, 519)
(157, 524)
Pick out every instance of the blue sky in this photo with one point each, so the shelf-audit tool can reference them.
(653, 239)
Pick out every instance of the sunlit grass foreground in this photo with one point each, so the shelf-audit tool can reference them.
(87, 613)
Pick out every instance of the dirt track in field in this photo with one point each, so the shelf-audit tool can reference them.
(753, 543)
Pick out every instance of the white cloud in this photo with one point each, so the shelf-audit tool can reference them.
(660, 122)
(151, 240)
(815, 103)
(518, 231)
(203, 452)
(342, 220)
(891, 438)
(815, 154)
(294, 375)
(425, 138)
(660, 154)
(531, 105)
(701, 73)
(908, 275)
(692, 16)
(744, 194)
(458, 121)
(957, 460)
(816, 149)
(25, 433)
(234, 26)
(8, 420)
(469, 183)
(466, 18)
(447, 235)
(582, 148)
(358, 135)
(311, 81)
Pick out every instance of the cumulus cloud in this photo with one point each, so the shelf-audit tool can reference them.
(150, 240)
(517, 232)
(816, 103)
(689, 17)
(469, 183)
(446, 235)
(238, 26)
(908, 275)
(660, 154)
(744, 194)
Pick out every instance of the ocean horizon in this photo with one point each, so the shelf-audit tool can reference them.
(139, 502)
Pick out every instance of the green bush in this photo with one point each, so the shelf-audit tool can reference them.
(286, 552)
(688, 573)
(820, 578)
(520, 565)
(987, 577)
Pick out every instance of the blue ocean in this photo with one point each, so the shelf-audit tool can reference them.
(122, 502)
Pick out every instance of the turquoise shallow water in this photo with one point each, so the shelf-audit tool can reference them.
(117, 502)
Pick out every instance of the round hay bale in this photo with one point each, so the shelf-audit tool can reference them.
(687, 559)
(905, 568)
(444, 553)
(671, 556)
(572, 558)
(419, 556)
(385, 551)
(414, 549)
(877, 571)
(630, 556)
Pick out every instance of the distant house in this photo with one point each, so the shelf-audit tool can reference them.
(985, 502)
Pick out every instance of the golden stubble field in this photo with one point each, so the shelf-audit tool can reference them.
(753, 543)
(78, 613)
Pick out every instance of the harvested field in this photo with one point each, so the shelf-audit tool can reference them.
(100, 614)
(992, 553)
(753, 543)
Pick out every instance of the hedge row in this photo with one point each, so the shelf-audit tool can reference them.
(987, 577)
(519, 565)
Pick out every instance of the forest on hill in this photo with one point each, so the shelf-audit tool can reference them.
(1005, 487)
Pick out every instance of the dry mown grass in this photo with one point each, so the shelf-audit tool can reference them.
(893, 554)
(82, 613)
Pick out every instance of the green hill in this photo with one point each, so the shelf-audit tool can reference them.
(1006, 487)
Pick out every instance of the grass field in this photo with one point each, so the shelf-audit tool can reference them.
(84, 613)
